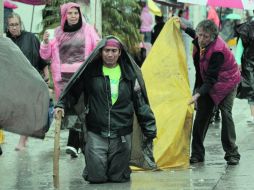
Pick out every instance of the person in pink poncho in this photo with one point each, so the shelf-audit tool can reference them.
(213, 16)
(146, 19)
(73, 41)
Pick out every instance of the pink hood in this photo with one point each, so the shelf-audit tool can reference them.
(64, 9)
(8, 4)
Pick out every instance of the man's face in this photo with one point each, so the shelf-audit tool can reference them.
(204, 38)
(72, 16)
(14, 26)
(110, 56)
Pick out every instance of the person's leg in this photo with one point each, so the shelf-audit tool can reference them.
(212, 120)
(73, 143)
(217, 115)
(204, 111)
(228, 135)
(22, 143)
(147, 37)
(251, 103)
(1, 152)
(119, 158)
(96, 156)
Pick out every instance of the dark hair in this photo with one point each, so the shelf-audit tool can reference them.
(158, 19)
(209, 27)
(180, 13)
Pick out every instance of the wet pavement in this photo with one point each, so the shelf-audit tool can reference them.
(32, 168)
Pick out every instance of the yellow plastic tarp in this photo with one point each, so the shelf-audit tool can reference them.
(154, 8)
(166, 77)
(1, 136)
(232, 42)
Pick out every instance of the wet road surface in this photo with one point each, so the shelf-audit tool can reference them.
(32, 168)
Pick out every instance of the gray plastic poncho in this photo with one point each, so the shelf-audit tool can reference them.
(24, 94)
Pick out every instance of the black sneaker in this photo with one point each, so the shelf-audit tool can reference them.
(233, 161)
(1, 152)
(194, 160)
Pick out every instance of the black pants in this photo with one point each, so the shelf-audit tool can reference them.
(107, 159)
(74, 139)
(205, 108)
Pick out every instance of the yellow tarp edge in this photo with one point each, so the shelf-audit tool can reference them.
(166, 76)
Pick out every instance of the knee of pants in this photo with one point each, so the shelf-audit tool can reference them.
(121, 177)
(94, 177)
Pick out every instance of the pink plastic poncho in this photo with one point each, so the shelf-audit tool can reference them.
(86, 34)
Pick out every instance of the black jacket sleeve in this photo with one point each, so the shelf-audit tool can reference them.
(144, 113)
(41, 63)
(211, 76)
(191, 32)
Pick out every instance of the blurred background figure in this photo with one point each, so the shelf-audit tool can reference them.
(146, 19)
(8, 9)
(157, 27)
(245, 57)
(29, 44)
(186, 38)
(212, 15)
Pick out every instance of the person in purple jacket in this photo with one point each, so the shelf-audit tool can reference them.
(217, 76)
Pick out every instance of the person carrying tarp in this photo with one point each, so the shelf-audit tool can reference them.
(106, 92)
(217, 77)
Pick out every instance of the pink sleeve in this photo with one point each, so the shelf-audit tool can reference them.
(46, 51)
(92, 38)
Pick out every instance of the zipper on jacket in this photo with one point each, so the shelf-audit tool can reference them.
(109, 107)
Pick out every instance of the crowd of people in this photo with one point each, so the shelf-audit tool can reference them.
(98, 87)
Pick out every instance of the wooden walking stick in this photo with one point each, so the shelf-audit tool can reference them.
(58, 120)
